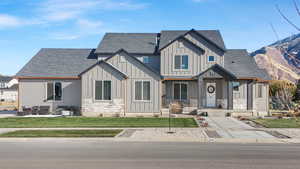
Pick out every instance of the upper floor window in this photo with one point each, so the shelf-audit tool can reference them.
(181, 62)
(180, 44)
(146, 59)
(102, 90)
(54, 91)
(211, 58)
(122, 59)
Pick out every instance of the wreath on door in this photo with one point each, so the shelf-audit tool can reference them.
(211, 89)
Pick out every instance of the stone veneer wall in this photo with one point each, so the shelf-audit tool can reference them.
(93, 108)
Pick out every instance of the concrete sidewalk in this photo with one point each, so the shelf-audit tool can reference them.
(151, 135)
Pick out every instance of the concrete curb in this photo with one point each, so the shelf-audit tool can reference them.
(115, 139)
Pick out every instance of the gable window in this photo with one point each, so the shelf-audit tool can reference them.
(142, 90)
(211, 58)
(146, 59)
(180, 91)
(122, 59)
(236, 86)
(102, 90)
(180, 44)
(260, 91)
(181, 62)
(54, 91)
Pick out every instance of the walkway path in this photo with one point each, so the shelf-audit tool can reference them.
(228, 127)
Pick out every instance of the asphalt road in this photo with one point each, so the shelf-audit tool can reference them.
(124, 155)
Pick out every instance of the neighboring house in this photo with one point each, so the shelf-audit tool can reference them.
(8, 89)
(144, 72)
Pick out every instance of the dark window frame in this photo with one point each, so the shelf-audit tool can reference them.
(181, 61)
(56, 91)
(181, 84)
(142, 91)
(211, 60)
(104, 96)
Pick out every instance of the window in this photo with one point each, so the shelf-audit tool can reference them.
(180, 91)
(54, 91)
(180, 44)
(260, 91)
(103, 90)
(211, 58)
(146, 59)
(122, 59)
(235, 86)
(142, 90)
(181, 62)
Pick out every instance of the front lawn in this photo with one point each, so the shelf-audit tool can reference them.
(279, 123)
(62, 133)
(67, 122)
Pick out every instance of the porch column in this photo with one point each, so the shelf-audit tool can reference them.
(200, 91)
(230, 96)
(249, 95)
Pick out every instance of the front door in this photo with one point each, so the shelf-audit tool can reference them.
(211, 94)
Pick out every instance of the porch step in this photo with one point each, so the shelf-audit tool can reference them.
(188, 110)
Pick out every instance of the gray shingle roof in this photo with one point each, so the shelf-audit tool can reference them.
(131, 42)
(5, 78)
(58, 63)
(242, 65)
(212, 35)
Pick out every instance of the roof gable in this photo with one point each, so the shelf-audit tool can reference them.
(102, 62)
(187, 41)
(135, 59)
(216, 71)
(212, 36)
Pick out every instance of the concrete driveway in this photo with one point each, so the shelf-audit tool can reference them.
(228, 127)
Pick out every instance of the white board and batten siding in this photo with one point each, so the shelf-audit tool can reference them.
(136, 72)
(93, 107)
(198, 62)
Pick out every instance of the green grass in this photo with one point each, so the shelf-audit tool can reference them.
(62, 133)
(67, 122)
(279, 123)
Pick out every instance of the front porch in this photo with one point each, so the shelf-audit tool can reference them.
(214, 90)
(214, 93)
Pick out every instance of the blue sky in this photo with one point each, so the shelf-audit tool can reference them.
(28, 25)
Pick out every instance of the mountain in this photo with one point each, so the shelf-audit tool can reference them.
(281, 59)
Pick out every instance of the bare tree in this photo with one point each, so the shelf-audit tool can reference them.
(286, 18)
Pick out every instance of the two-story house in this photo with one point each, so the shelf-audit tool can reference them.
(141, 73)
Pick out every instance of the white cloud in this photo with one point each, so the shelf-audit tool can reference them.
(9, 21)
(60, 10)
(83, 27)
